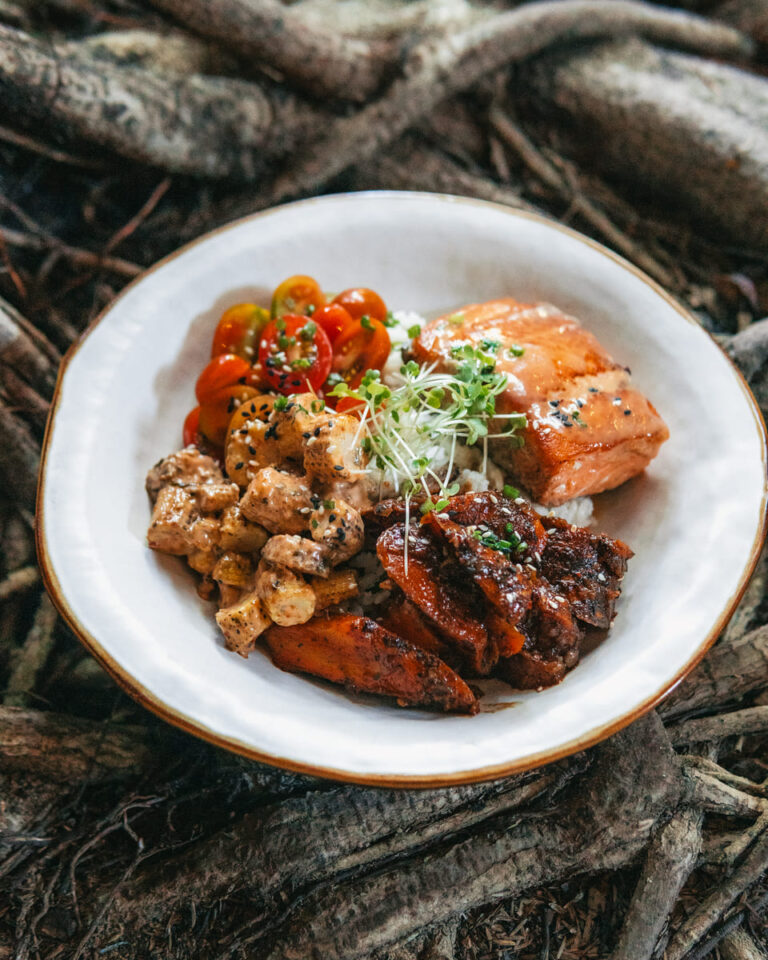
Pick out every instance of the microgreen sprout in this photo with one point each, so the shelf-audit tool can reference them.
(401, 425)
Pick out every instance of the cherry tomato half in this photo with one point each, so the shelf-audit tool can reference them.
(359, 302)
(363, 345)
(217, 411)
(239, 330)
(332, 318)
(349, 405)
(222, 371)
(297, 295)
(295, 354)
(191, 427)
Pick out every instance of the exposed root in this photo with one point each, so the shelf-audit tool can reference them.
(317, 58)
(736, 666)
(209, 126)
(672, 855)
(632, 781)
(436, 71)
(695, 927)
(19, 459)
(517, 140)
(736, 724)
(18, 581)
(31, 658)
(69, 749)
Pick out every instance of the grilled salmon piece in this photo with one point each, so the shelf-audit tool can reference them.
(588, 429)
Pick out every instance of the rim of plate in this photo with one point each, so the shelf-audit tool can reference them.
(189, 724)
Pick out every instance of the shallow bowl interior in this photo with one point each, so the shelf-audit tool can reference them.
(694, 519)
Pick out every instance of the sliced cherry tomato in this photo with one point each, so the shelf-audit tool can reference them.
(349, 405)
(360, 302)
(295, 354)
(222, 371)
(191, 427)
(332, 318)
(256, 377)
(239, 330)
(298, 295)
(217, 410)
(364, 345)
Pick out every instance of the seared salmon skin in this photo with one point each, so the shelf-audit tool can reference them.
(588, 428)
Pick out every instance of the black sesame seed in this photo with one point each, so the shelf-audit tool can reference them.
(338, 466)
(554, 403)
(251, 450)
(332, 518)
(316, 432)
(593, 389)
(239, 466)
(627, 413)
(306, 435)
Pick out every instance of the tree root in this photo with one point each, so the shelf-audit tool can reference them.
(736, 724)
(689, 139)
(68, 749)
(343, 831)
(738, 945)
(17, 581)
(672, 855)
(31, 657)
(19, 459)
(208, 126)
(733, 668)
(633, 779)
(695, 927)
(516, 139)
(320, 60)
(436, 71)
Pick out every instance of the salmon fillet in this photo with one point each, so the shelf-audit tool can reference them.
(588, 428)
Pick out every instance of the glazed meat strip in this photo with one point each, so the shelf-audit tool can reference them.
(551, 646)
(438, 587)
(588, 429)
(501, 517)
(506, 585)
(586, 569)
(363, 655)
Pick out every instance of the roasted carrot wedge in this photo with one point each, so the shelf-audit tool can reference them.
(362, 655)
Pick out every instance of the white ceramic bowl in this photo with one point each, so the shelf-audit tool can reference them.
(695, 519)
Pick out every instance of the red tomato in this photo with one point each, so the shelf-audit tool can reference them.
(239, 329)
(297, 295)
(349, 405)
(359, 302)
(256, 377)
(332, 318)
(364, 345)
(222, 371)
(191, 426)
(217, 410)
(295, 354)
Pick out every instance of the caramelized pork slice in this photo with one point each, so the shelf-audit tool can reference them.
(586, 568)
(363, 656)
(187, 466)
(501, 517)
(551, 646)
(579, 440)
(438, 587)
(506, 585)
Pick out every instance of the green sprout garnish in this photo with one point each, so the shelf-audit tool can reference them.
(400, 425)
